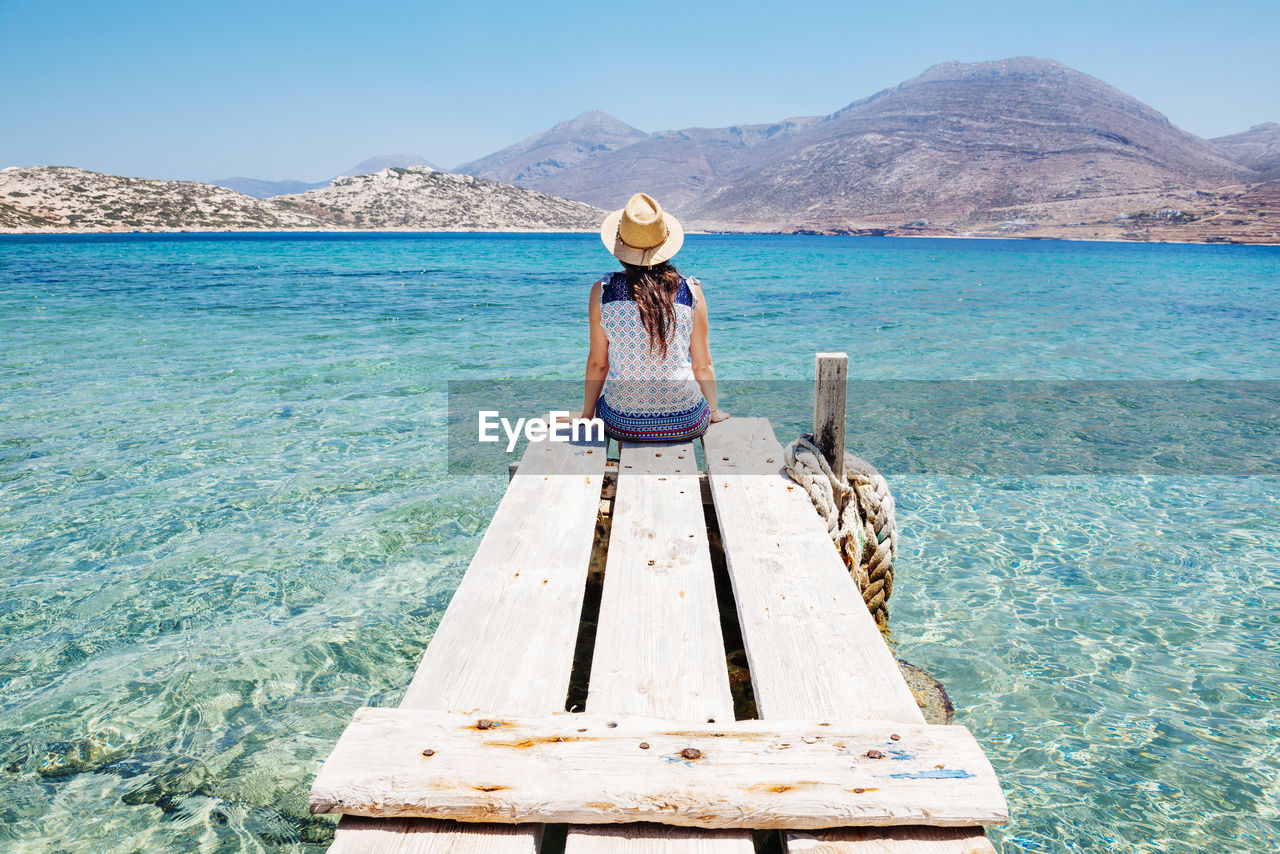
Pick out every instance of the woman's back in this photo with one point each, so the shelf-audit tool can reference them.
(641, 378)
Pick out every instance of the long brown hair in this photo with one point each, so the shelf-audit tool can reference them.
(654, 290)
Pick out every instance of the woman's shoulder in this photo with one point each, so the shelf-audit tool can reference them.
(613, 286)
(693, 287)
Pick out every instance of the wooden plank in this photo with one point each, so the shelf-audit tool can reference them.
(359, 835)
(812, 647)
(507, 638)
(611, 769)
(647, 838)
(658, 649)
(891, 840)
(830, 393)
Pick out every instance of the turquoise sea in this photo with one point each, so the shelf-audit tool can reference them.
(226, 519)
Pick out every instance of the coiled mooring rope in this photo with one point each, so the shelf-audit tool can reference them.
(859, 513)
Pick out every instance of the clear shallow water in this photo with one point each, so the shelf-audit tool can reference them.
(225, 520)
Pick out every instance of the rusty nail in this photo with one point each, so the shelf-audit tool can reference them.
(691, 753)
(859, 790)
(895, 736)
(874, 754)
(559, 738)
(939, 766)
(644, 745)
(484, 724)
(428, 752)
(612, 724)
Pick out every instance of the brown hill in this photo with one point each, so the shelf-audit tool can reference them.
(1257, 148)
(962, 139)
(678, 167)
(551, 152)
(959, 142)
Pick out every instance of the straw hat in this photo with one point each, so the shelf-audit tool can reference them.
(642, 233)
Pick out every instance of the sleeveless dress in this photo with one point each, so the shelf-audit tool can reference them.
(647, 397)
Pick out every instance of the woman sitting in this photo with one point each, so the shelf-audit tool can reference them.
(649, 374)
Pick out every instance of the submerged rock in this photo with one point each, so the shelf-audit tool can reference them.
(931, 696)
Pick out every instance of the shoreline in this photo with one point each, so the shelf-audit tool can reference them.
(72, 232)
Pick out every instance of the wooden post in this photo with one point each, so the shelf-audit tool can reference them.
(830, 393)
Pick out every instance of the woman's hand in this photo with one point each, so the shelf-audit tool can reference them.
(718, 415)
(569, 418)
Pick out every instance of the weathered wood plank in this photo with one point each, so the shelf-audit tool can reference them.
(360, 835)
(603, 769)
(891, 840)
(812, 647)
(658, 646)
(507, 638)
(830, 394)
(648, 838)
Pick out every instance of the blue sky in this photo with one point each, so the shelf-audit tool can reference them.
(305, 90)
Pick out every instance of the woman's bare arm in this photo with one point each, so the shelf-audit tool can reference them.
(700, 353)
(597, 358)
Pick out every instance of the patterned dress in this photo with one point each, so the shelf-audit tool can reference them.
(647, 397)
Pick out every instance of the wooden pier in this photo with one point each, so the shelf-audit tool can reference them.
(841, 759)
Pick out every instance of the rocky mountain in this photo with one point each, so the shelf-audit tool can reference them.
(61, 198)
(1257, 148)
(960, 143)
(546, 154)
(677, 167)
(1020, 146)
(421, 198)
(968, 139)
(261, 189)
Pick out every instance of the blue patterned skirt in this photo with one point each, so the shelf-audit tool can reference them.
(650, 427)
